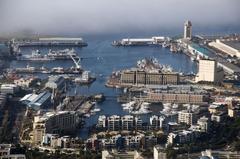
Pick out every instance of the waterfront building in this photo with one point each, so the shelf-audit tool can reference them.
(136, 77)
(37, 101)
(61, 122)
(54, 123)
(229, 47)
(186, 116)
(209, 72)
(166, 97)
(159, 152)
(187, 30)
(127, 122)
(138, 123)
(9, 89)
(156, 122)
(115, 154)
(56, 83)
(102, 121)
(114, 123)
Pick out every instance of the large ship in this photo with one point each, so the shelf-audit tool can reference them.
(62, 54)
(36, 55)
(156, 41)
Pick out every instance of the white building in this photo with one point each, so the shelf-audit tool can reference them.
(159, 152)
(187, 30)
(102, 121)
(209, 72)
(203, 124)
(114, 122)
(157, 122)
(54, 122)
(171, 138)
(138, 123)
(186, 116)
(127, 122)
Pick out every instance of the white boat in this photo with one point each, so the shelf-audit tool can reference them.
(87, 115)
(144, 109)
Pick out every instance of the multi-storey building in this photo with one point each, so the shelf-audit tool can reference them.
(156, 122)
(114, 122)
(127, 122)
(136, 77)
(159, 152)
(186, 116)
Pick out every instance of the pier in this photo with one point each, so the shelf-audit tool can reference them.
(157, 41)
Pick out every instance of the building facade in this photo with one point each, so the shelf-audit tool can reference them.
(130, 77)
(209, 72)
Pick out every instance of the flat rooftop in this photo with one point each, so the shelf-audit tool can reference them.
(231, 66)
(233, 44)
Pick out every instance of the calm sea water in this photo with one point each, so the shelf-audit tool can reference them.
(101, 59)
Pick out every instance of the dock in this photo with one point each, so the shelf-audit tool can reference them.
(156, 41)
(48, 41)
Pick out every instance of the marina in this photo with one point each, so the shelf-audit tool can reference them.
(106, 60)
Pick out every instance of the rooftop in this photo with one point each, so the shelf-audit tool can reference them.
(230, 66)
(233, 44)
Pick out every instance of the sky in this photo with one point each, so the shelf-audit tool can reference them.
(114, 16)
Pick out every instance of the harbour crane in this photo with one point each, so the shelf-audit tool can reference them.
(76, 62)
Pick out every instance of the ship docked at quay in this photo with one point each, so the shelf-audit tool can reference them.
(36, 55)
(155, 41)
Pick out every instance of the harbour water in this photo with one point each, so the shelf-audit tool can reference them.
(101, 59)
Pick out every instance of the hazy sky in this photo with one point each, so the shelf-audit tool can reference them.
(114, 16)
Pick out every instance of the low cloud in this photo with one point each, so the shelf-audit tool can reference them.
(110, 16)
